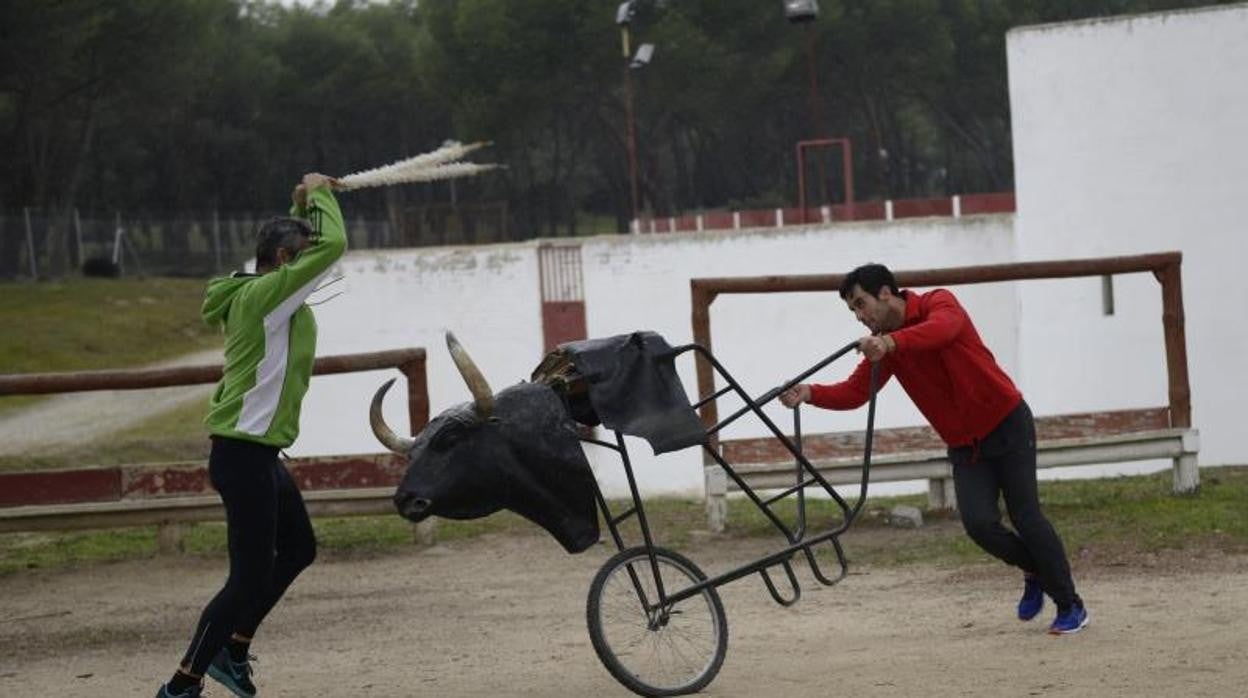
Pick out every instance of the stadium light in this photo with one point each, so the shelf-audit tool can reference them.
(624, 14)
(797, 11)
(644, 53)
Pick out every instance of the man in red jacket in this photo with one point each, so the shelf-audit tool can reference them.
(929, 342)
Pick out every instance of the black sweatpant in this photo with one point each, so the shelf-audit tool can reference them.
(1004, 464)
(270, 542)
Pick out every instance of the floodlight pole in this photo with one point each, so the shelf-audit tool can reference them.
(806, 12)
(816, 119)
(635, 224)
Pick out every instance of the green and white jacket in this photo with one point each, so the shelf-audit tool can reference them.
(270, 335)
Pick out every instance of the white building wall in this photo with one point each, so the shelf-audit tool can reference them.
(1131, 136)
(489, 296)
(397, 299)
(642, 282)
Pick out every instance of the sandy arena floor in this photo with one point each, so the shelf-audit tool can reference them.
(505, 616)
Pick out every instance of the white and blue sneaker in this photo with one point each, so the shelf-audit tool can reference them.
(1070, 620)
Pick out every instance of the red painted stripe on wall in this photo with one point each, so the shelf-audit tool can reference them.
(60, 486)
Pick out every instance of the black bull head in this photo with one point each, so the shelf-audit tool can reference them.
(516, 450)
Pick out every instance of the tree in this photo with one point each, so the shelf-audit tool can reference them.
(67, 68)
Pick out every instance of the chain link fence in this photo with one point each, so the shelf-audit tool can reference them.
(36, 244)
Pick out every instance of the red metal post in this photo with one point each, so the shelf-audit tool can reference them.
(632, 130)
(816, 118)
(847, 170)
(801, 180)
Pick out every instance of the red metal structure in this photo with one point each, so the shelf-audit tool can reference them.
(847, 171)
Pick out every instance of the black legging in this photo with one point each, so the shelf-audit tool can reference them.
(1004, 464)
(270, 541)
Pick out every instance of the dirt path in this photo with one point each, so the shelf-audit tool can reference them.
(505, 616)
(42, 428)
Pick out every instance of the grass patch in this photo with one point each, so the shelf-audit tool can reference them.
(1096, 513)
(1112, 520)
(337, 535)
(1115, 520)
(20, 551)
(93, 324)
(84, 324)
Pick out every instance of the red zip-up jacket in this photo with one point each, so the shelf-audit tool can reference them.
(944, 367)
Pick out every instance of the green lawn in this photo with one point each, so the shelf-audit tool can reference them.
(84, 324)
(93, 324)
(1117, 518)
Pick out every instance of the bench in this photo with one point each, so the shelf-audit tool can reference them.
(171, 496)
(916, 453)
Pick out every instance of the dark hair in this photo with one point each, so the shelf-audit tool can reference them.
(278, 233)
(872, 278)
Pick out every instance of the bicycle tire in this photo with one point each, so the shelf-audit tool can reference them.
(638, 652)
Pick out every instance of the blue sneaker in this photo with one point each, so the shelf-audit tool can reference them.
(235, 676)
(1071, 620)
(1033, 598)
(192, 692)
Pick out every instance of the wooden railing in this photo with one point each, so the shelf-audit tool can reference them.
(171, 495)
(1179, 441)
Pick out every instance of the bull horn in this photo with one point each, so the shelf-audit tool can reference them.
(384, 433)
(482, 396)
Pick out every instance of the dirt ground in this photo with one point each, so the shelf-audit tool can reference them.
(504, 615)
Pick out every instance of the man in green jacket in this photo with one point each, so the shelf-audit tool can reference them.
(270, 343)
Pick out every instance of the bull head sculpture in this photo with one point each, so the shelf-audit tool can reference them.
(517, 450)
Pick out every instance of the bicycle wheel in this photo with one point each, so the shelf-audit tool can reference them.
(658, 651)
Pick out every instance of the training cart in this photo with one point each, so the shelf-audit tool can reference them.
(655, 619)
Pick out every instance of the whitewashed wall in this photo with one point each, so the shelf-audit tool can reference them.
(408, 298)
(489, 296)
(1131, 136)
(643, 282)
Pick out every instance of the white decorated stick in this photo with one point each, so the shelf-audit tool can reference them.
(429, 167)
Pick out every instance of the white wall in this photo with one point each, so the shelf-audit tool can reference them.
(643, 282)
(397, 299)
(489, 296)
(1131, 136)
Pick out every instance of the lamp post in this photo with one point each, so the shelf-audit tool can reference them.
(806, 12)
(624, 17)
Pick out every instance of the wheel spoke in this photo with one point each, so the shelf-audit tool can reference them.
(681, 653)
